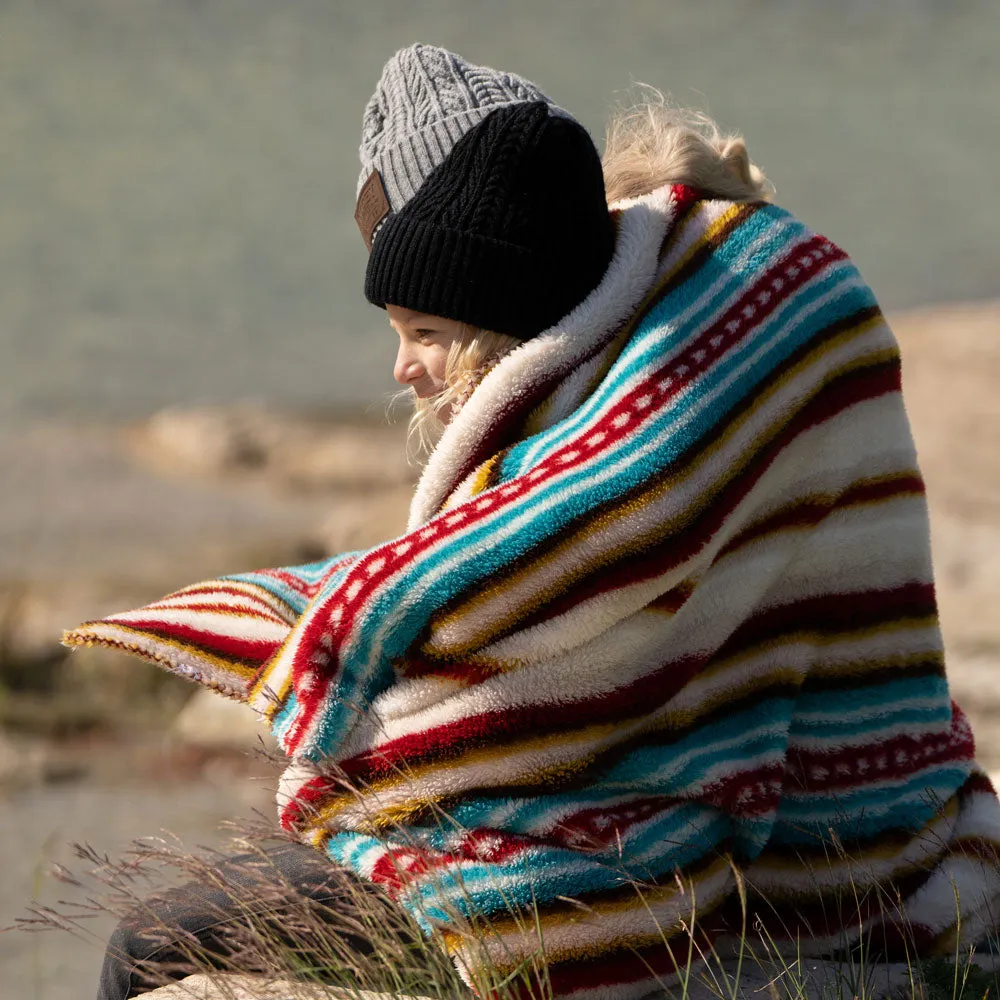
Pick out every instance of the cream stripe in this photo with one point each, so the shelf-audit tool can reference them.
(464, 628)
(239, 626)
(641, 228)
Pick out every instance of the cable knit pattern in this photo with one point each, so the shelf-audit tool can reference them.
(664, 616)
(426, 99)
(508, 234)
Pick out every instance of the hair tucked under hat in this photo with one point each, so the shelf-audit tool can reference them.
(508, 233)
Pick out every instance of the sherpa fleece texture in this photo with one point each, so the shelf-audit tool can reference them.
(661, 637)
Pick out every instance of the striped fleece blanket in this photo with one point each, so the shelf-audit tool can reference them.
(660, 638)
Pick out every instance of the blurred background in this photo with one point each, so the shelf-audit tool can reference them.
(192, 383)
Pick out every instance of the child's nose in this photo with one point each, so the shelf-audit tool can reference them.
(407, 368)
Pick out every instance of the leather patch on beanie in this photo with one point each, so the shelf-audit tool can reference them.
(372, 207)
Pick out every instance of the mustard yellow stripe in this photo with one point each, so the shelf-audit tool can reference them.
(409, 774)
(712, 232)
(280, 608)
(484, 474)
(827, 501)
(546, 919)
(579, 568)
(595, 740)
(857, 668)
(282, 690)
(83, 636)
(818, 639)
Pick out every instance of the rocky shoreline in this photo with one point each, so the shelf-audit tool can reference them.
(102, 519)
(101, 748)
(98, 519)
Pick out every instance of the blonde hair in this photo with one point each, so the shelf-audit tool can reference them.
(648, 145)
(653, 142)
(471, 355)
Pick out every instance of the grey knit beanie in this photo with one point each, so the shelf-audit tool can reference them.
(426, 99)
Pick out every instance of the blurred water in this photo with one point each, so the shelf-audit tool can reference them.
(177, 176)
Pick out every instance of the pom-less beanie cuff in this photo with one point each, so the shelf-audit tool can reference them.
(479, 280)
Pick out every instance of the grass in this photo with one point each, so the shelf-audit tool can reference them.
(352, 937)
(281, 935)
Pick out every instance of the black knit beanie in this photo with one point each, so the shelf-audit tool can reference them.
(508, 233)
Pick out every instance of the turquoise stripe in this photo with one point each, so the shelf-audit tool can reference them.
(682, 837)
(655, 329)
(867, 812)
(282, 721)
(527, 814)
(537, 874)
(477, 550)
(309, 573)
(872, 698)
(478, 560)
(346, 848)
(636, 774)
(545, 874)
(640, 768)
(542, 874)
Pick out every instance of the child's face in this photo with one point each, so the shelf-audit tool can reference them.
(424, 341)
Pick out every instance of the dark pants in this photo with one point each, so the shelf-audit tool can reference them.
(155, 943)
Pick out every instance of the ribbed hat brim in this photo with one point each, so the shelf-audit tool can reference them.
(440, 271)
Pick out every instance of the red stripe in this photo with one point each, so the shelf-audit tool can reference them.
(692, 362)
(810, 511)
(260, 610)
(306, 587)
(834, 613)
(884, 759)
(652, 561)
(239, 649)
(398, 867)
(618, 968)
(749, 793)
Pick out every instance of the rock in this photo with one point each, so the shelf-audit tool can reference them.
(951, 368)
(800, 979)
(232, 987)
(33, 615)
(29, 638)
(344, 457)
(14, 768)
(967, 571)
(359, 523)
(211, 721)
(205, 439)
(24, 764)
(286, 450)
